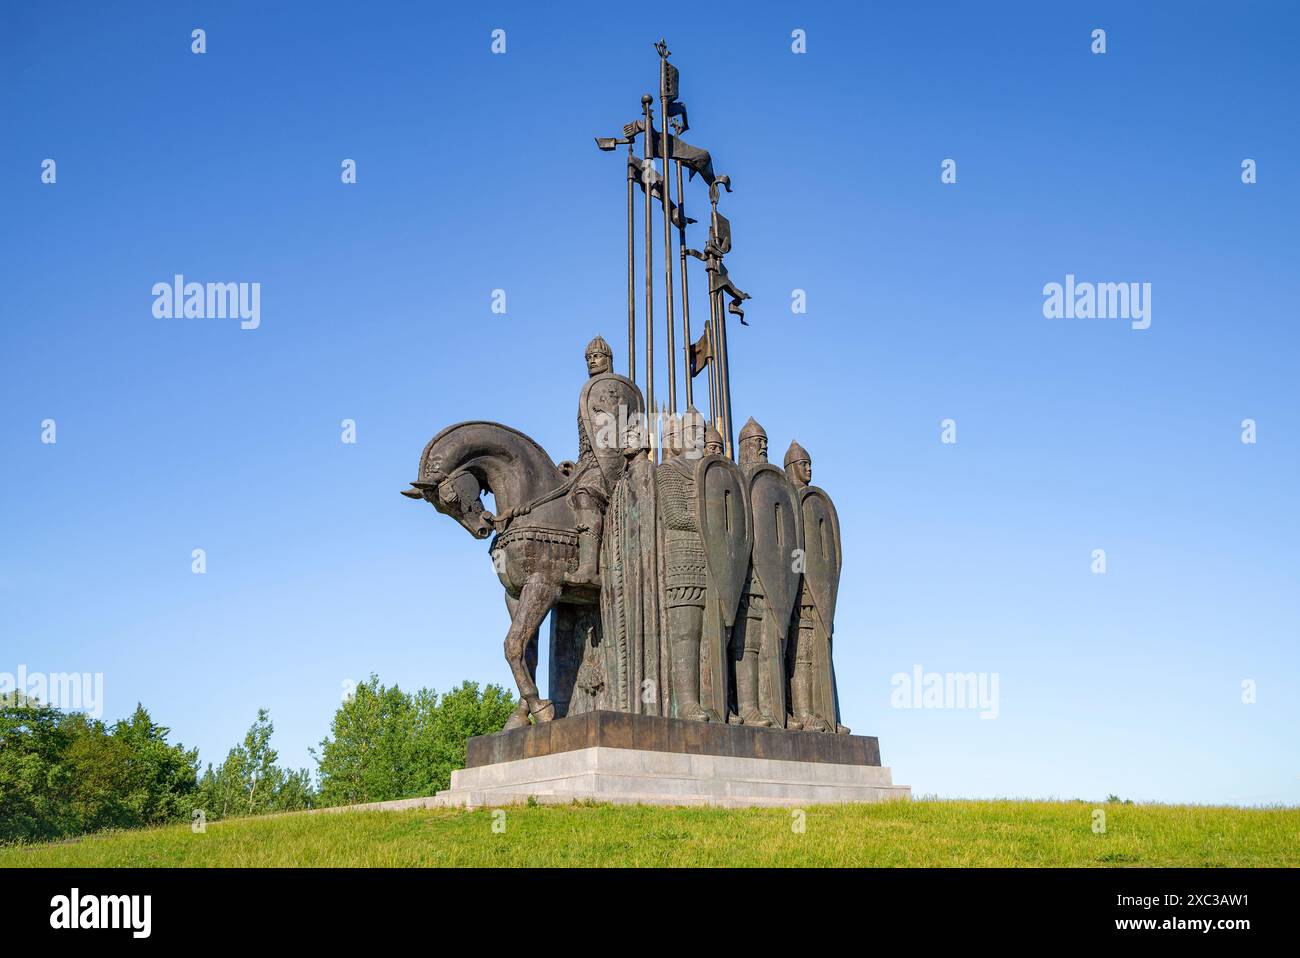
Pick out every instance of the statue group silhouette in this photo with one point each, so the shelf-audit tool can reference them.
(694, 587)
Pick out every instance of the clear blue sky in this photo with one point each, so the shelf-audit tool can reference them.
(478, 171)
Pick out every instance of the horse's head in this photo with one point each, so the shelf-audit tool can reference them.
(468, 459)
(458, 495)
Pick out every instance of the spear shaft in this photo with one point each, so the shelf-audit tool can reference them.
(719, 314)
(631, 270)
(686, 294)
(646, 167)
(715, 406)
(724, 371)
(668, 242)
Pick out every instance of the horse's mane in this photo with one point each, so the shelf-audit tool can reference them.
(528, 448)
(486, 422)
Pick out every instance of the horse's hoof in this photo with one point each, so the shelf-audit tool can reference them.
(518, 718)
(546, 713)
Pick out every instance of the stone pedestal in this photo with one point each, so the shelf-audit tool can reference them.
(629, 759)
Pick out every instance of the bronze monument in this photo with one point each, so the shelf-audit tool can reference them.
(686, 581)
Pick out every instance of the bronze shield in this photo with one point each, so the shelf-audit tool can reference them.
(772, 503)
(606, 407)
(823, 556)
(726, 528)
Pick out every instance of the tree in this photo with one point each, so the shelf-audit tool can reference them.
(158, 780)
(461, 714)
(62, 773)
(32, 779)
(388, 744)
(249, 782)
(370, 758)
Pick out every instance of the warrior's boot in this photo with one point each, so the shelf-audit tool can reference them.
(801, 699)
(587, 573)
(686, 678)
(747, 691)
(772, 709)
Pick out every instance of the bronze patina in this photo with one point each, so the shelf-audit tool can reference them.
(683, 580)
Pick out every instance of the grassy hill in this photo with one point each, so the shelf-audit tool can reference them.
(924, 832)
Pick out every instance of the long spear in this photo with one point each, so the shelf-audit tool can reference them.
(607, 144)
(706, 349)
(646, 168)
(631, 272)
(715, 378)
(724, 371)
(719, 313)
(667, 79)
(686, 293)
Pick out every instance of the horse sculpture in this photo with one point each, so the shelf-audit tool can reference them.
(536, 541)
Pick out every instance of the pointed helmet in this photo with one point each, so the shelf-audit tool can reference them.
(598, 345)
(752, 430)
(796, 453)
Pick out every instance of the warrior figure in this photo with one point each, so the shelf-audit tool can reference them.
(747, 636)
(798, 468)
(592, 481)
(684, 561)
(813, 697)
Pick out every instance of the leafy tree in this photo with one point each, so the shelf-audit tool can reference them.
(65, 774)
(32, 780)
(462, 713)
(389, 744)
(158, 780)
(249, 782)
(371, 756)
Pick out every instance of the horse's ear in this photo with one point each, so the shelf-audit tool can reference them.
(414, 493)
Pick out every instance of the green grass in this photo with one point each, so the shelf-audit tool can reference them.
(923, 832)
(893, 833)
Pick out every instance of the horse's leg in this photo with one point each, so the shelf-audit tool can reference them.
(530, 654)
(536, 599)
(519, 717)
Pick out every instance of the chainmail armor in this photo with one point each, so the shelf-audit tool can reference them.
(685, 562)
